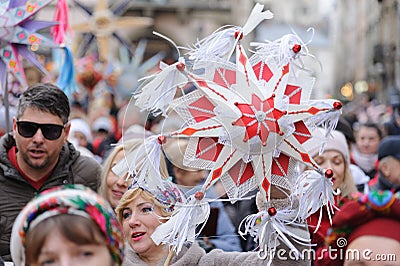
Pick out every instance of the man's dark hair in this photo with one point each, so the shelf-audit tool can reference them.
(45, 97)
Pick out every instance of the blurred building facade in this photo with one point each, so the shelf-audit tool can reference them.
(187, 21)
(356, 42)
(366, 34)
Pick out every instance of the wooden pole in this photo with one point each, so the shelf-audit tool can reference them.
(169, 258)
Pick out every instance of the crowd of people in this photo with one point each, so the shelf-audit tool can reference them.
(44, 151)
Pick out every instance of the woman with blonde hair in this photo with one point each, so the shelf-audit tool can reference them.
(335, 156)
(142, 210)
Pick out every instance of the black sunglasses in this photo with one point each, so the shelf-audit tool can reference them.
(50, 131)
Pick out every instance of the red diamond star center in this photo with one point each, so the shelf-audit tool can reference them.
(259, 118)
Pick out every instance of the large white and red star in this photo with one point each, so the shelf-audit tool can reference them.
(246, 123)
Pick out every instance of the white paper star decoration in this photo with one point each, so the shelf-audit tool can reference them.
(247, 121)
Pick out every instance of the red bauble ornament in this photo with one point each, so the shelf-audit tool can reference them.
(337, 105)
(328, 173)
(162, 139)
(296, 48)
(272, 211)
(180, 66)
(199, 195)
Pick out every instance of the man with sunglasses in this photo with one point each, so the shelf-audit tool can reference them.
(37, 156)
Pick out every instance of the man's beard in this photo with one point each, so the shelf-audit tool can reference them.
(36, 166)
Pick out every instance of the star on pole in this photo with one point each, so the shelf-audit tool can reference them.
(104, 23)
(257, 115)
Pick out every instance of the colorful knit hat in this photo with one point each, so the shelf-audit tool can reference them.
(68, 199)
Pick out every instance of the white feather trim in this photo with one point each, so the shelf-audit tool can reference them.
(327, 120)
(256, 17)
(181, 227)
(280, 50)
(216, 47)
(315, 190)
(143, 163)
(221, 43)
(270, 231)
(283, 51)
(158, 91)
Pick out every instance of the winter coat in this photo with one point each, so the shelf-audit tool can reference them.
(16, 192)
